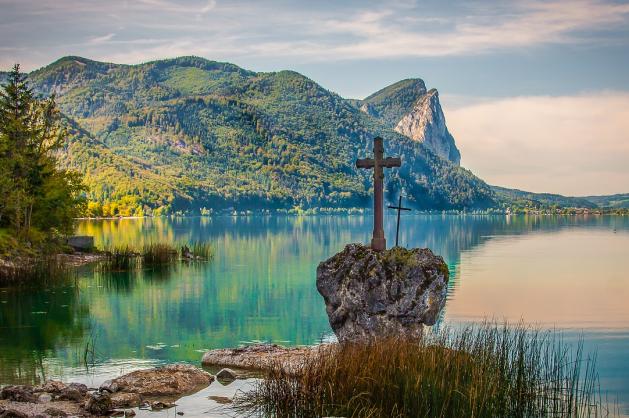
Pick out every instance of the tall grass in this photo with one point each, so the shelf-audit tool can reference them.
(120, 258)
(158, 254)
(199, 250)
(151, 255)
(482, 371)
(48, 269)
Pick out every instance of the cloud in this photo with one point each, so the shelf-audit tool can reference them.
(102, 39)
(573, 145)
(310, 32)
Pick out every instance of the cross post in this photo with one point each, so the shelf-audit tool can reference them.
(378, 163)
(399, 208)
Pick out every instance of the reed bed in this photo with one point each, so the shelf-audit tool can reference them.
(44, 270)
(152, 255)
(486, 370)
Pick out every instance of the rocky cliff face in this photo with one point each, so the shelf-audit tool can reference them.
(426, 123)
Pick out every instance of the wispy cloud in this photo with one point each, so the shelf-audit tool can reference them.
(305, 32)
(574, 145)
(102, 39)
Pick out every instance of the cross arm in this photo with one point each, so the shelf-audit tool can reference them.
(392, 162)
(365, 163)
(397, 207)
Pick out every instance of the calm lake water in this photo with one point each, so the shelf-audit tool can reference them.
(570, 273)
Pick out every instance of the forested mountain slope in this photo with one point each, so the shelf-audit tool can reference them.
(188, 133)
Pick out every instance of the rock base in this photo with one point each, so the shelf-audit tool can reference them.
(391, 293)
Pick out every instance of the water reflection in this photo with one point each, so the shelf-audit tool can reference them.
(568, 272)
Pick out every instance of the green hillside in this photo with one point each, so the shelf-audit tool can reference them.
(616, 201)
(520, 198)
(188, 133)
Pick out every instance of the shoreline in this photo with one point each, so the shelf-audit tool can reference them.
(364, 213)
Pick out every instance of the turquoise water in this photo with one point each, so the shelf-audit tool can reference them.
(564, 272)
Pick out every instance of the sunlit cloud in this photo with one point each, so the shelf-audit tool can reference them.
(573, 145)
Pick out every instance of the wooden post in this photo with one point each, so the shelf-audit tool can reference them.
(378, 163)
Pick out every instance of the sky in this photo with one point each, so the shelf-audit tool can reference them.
(536, 93)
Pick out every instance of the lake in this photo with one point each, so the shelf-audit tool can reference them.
(569, 273)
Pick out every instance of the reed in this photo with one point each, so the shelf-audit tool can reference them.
(120, 258)
(200, 250)
(158, 254)
(481, 371)
(48, 269)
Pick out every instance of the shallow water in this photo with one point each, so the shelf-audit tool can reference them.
(564, 272)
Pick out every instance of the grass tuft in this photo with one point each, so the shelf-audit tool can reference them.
(480, 371)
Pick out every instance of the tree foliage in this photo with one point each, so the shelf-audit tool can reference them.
(35, 193)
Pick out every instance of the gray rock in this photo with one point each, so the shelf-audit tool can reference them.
(12, 413)
(226, 375)
(109, 385)
(44, 397)
(18, 393)
(426, 123)
(125, 400)
(55, 412)
(98, 403)
(81, 242)
(62, 392)
(159, 405)
(371, 294)
(129, 413)
(170, 380)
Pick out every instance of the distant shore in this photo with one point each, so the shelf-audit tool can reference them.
(575, 212)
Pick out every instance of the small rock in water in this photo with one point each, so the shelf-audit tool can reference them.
(122, 399)
(109, 385)
(180, 413)
(159, 405)
(226, 376)
(98, 403)
(129, 413)
(220, 399)
(171, 380)
(370, 294)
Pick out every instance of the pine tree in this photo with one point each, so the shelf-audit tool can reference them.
(35, 193)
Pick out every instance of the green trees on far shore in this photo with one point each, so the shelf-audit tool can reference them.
(37, 199)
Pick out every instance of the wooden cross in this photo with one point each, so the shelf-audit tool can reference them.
(378, 242)
(399, 208)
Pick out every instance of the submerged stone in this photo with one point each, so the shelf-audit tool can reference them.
(370, 294)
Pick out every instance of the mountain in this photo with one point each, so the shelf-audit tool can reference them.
(187, 133)
(616, 201)
(411, 110)
(515, 197)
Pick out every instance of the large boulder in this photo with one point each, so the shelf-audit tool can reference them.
(370, 294)
(171, 380)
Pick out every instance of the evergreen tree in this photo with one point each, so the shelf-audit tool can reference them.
(35, 193)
